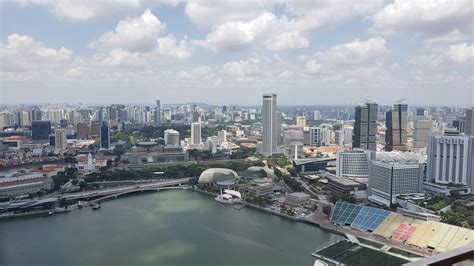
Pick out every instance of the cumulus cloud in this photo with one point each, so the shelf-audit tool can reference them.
(242, 68)
(87, 9)
(461, 53)
(426, 19)
(136, 34)
(207, 13)
(23, 53)
(168, 46)
(354, 52)
(312, 67)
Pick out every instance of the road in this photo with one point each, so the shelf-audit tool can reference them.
(125, 189)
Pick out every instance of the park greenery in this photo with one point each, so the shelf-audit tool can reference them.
(291, 182)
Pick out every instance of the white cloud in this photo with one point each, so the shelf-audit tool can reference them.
(354, 52)
(136, 34)
(237, 34)
(23, 53)
(430, 19)
(119, 57)
(461, 53)
(208, 13)
(168, 46)
(288, 40)
(242, 68)
(312, 67)
(87, 9)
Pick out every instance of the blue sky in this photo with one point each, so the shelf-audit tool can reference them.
(221, 52)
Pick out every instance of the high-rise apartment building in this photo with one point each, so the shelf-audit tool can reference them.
(315, 137)
(469, 125)
(270, 127)
(365, 127)
(397, 127)
(300, 121)
(222, 135)
(196, 133)
(60, 139)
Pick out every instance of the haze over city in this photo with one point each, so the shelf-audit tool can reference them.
(231, 52)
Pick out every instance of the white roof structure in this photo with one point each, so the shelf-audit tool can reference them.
(233, 193)
(213, 175)
(400, 157)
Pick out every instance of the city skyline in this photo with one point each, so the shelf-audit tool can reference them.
(327, 53)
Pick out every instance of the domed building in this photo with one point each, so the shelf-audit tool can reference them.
(220, 176)
(257, 172)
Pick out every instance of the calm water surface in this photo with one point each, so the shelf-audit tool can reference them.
(163, 228)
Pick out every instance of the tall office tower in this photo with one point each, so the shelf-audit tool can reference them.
(315, 138)
(347, 136)
(353, 164)
(82, 130)
(300, 121)
(397, 127)
(171, 137)
(339, 137)
(94, 130)
(222, 135)
(105, 135)
(158, 112)
(469, 126)
(196, 133)
(393, 174)
(365, 127)
(104, 131)
(421, 133)
(35, 114)
(270, 128)
(450, 164)
(40, 131)
(60, 139)
(279, 136)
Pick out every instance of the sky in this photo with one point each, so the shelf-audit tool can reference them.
(231, 52)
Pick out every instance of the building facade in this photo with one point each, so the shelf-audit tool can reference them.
(450, 164)
(397, 127)
(469, 126)
(171, 137)
(421, 133)
(270, 128)
(353, 164)
(391, 178)
(40, 131)
(365, 127)
(196, 133)
(60, 139)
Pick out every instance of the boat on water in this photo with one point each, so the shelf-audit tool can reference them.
(229, 197)
(96, 206)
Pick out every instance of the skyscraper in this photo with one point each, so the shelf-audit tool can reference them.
(269, 118)
(196, 133)
(365, 127)
(158, 112)
(469, 126)
(397, 126)
(60, 139)
(300, 121)
(40, 131)
(421, 133)
(104, 131)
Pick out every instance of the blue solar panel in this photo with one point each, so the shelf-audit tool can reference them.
(358, 217)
